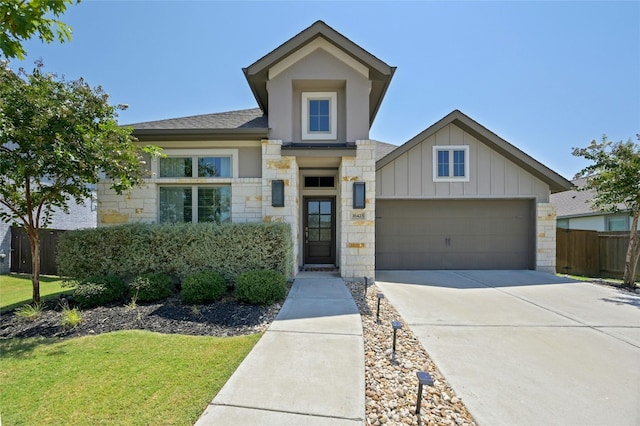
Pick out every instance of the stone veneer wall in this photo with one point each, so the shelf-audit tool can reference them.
(358, 226)
(546, 237)
(277, 167)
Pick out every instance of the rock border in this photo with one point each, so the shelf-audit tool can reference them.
(391, 388)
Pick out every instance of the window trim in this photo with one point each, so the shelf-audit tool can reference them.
(451, 149)
(333, 116)
(195, 154)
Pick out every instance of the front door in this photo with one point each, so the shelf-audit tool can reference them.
(319, 230)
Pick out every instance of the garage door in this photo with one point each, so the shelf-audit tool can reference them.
(435, 234)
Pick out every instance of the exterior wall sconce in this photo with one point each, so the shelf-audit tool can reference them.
(2, 256)
(277, 193)
(359, 195)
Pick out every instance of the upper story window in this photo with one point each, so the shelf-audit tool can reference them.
(319, 116)
(451, 163)
(196, 167)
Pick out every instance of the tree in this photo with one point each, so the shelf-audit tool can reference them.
(614, 175)
(56, 138)
(21, 19)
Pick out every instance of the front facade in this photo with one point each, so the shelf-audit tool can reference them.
(304, 157)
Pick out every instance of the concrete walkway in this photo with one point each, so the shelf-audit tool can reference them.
(308, 368)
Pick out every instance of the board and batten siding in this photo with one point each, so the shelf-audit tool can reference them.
(491, 174)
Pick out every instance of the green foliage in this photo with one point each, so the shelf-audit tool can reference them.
(99, 290)
(56, 138)
(70, 317)
(177, 250)
(30, 312)
(149, 287)
(614, 176)
(203, 287)
(20, 20)
(261, 287)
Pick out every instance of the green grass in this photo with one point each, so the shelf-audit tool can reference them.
(121, 378)
(16, 290)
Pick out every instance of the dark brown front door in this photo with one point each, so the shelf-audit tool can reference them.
(319, 230)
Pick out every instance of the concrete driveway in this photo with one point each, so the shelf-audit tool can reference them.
(524, 347)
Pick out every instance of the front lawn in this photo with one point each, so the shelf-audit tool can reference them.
(127, 377)
(17, 290)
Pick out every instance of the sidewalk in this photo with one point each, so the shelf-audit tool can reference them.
(308, 368)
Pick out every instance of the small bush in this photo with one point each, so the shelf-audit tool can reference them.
(261, 287)
(29, 312)
(149, 287)
(98, 291)
(203, 287)
(70, 317)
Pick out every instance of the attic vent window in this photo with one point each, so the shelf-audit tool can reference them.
(319, 116)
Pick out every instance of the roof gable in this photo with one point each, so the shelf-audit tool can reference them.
(305, 42)
(555, 181)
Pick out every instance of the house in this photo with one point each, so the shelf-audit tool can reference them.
(455, 196)
(575, 211)
(79, 216)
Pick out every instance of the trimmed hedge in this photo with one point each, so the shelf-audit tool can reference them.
(261, 287)
(176, 249)
(99, 290)
(150, 287)
(203, 287)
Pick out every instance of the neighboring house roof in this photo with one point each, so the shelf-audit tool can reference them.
(576, 203)
(380, 73)
(383, 148)
(232, 124)
(556, 182)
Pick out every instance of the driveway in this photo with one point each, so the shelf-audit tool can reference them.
(524, 347)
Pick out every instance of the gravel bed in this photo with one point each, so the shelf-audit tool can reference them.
(391, 388)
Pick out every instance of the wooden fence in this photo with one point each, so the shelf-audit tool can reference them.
(21, 251)
(591, 253)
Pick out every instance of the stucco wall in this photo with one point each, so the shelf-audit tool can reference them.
(319, 71)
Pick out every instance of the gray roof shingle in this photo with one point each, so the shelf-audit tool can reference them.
(243, 119)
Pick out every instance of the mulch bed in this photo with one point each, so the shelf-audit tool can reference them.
(223, 318)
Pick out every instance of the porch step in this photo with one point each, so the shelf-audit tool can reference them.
(319, 268)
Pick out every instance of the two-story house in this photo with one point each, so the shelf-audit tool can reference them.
(455, 196)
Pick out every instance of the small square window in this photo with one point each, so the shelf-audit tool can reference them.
(451, 163)
(319, 115)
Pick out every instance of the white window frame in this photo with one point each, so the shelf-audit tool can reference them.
(333, 116)
(195, 154)
(451, 149)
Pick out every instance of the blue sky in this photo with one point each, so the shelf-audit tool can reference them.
(546, 76)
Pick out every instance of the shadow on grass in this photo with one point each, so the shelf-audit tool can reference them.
(22, 348)
(9, 308)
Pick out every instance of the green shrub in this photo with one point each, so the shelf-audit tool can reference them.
(176, 249)
(203, 287)
(100, 290)
(261, 287)
(149, 287)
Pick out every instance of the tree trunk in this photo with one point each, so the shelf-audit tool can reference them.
(34, 241)
(631, 259)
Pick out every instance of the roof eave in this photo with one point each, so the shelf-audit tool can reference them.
(199, 134)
